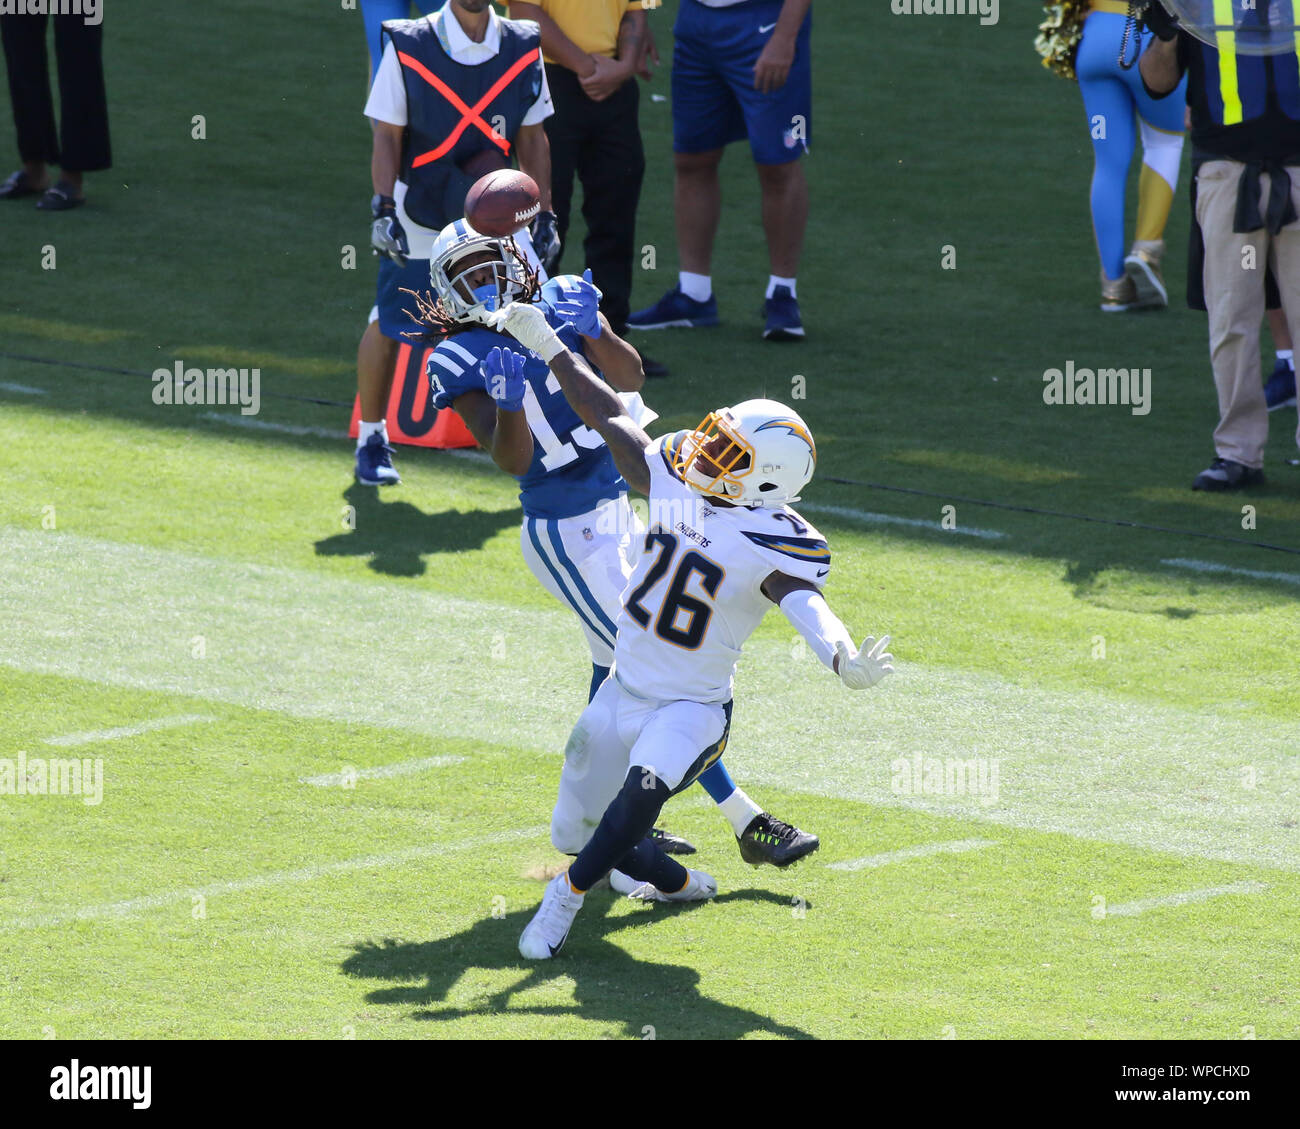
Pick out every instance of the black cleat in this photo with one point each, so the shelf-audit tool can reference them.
(768, 840)
(1224, 474)
(669, 843)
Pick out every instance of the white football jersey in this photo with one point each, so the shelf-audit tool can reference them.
(695, 595)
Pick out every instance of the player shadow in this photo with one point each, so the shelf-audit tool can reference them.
(608, 984)
(397, 536)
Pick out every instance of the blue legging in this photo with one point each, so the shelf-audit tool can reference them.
(1113, 100)
(375, 12)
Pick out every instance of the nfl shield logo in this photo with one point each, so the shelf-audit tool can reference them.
(586, 533)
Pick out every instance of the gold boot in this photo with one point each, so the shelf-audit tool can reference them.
(1143, 267)
(1117, 296)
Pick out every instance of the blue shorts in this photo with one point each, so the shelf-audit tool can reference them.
(714, 100)
(393, 303)
(376, 12)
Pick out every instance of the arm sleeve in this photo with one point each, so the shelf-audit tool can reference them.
(820, 627)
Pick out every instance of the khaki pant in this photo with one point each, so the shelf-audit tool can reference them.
(1234, 296)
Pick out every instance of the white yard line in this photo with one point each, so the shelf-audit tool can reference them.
(473, 454)
(891, 519)
(1210, 566)
(381, 772)
(134, 906)
(22, 389)
(247, 422)
(94, 735)
(924, 850)
(251, 424)
(1132, 909)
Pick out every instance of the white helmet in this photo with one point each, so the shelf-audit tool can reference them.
(758, 453)
(458, 241)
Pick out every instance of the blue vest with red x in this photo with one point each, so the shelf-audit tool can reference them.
(456, 112)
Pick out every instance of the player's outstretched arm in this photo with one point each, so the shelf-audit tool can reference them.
(580, 307)
(806, 608)
(596, 403)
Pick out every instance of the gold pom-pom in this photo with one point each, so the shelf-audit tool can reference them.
(1059, 35)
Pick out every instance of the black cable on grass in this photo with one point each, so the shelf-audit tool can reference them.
(139, 372)
(1118, 522)
(1060, 513)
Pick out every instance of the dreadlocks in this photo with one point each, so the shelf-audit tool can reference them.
(435, 321)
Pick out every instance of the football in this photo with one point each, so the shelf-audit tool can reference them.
(502, 202)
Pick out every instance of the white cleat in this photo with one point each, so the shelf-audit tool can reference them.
(700, 887)
(622, 883)
(544, 936)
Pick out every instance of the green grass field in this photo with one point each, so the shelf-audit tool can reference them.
(329, 754)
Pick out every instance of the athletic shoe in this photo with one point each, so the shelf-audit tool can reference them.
(700, 887)
(16, 186)
(768, 840)
(1224, 474)
(781, 317)
(544, 936)
(669, 843)
(675, 310)
(1143, 267)
(375, 463)
(61, 197)
(622, 883)
(1279, 389)
(1118, 296)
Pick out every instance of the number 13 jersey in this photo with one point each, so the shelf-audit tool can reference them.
(696, 595)
(572, 471)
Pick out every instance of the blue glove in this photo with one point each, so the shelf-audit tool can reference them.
(578, 302)
(503, 373)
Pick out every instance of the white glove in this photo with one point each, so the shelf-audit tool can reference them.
(863, 669)
(527, 324)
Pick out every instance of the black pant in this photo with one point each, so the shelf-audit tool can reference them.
(601, 142)
(83, 103)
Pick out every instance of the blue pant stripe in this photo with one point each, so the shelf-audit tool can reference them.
(559, 580)
(560, 555)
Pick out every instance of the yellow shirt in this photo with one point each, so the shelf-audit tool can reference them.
(591, 24)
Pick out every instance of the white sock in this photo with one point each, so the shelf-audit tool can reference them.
(739, 810)
(1286, 355)
(366, 430)
(773, 281)
(698, 287)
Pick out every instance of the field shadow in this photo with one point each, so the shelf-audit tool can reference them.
(609, 985)
(397, 536)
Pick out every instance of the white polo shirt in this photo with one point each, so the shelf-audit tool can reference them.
(387, 101)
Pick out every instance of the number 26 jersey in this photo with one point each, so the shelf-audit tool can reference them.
(696, 595)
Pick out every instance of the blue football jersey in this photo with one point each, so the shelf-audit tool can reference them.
(572, 470)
